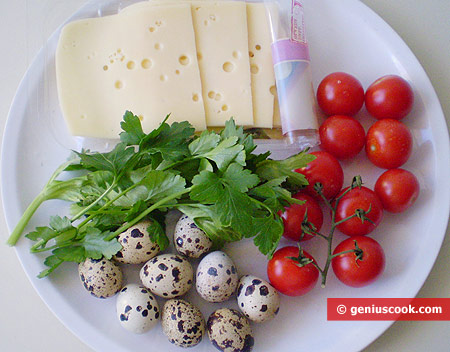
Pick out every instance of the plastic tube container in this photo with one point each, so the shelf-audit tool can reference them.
(292, 69)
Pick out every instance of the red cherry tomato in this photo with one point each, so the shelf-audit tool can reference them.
(397, 189)
(388, 144)
(293, 217)
(326, 170)
(389, 97)
(287, 277)
(340, 93)
(342, 136)
(354, 271)
(358, 198)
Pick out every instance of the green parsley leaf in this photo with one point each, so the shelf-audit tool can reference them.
(52, 262)
(241, 179)
(113, 161)
(207, 187)
(132, 130)
(96, 246)
(244, 139)
(270, 230)
(270, 169)
(205, 143)
(169, 141)
(154, 186)
(158, 234)
(227, 151)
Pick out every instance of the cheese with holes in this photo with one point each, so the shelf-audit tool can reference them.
(143, 61)
(261, 66)
(260, 60)
(222, 46)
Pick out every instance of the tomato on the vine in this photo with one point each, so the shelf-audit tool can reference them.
(389, 97)
(340, 93)
(358, 199)
(388, 144)
(287, 276)
(361, 267)
(342, 136)
(397, 189)
(294, 215)
(326, 170)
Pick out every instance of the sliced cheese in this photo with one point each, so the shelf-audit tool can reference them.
(261, 67)
(222, 47)
(216, 43)
(143, 61)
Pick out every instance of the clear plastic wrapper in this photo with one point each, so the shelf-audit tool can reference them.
(292, 69)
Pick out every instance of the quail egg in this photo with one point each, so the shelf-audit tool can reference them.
(102, 278)
(167, 275)
(137, 247)
(189, 240)
(217, 277)
(230, 331)
(137, 309)
(257, 299)
(182, 322)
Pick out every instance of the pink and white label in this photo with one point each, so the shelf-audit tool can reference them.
(286, 50)
(297, 23)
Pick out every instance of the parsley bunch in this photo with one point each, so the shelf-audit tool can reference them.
(214, 178)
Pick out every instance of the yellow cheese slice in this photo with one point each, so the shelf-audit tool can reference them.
(261, 67)
(144, 61)
(222, 47)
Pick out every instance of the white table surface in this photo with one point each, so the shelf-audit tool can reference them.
(26, 324)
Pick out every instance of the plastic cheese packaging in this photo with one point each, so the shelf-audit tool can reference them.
(202, 61)
(290, 53)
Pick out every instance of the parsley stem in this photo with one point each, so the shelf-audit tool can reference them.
(34, 205)
(23, 222)
(158, 204)
(93, 204)
(107, 204)
(171, 166)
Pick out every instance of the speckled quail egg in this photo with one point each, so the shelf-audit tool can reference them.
(137, 247)
(102, 278)
(217, 277)
(189, 240)
(182, 322)
(167, 275)
(257, 299)
(137, 309)
(230, 331)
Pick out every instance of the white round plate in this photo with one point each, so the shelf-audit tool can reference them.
(344, 36)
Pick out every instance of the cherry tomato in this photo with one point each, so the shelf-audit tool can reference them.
(293, 217)
(397, 189)
(340, 93)
(326, 170)
(342, 136)
(389, 97)
(287, 277)
(358, 198)
(388, 144)
(358, 271)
